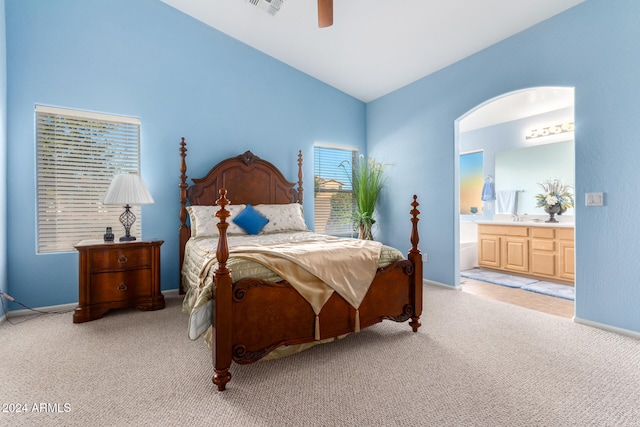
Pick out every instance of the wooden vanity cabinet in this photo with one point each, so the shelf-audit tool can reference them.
(544, 258)
(566, 254)
(545, 252)
(503, 247)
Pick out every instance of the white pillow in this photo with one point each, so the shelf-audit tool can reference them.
(204, 222)
(283, 217)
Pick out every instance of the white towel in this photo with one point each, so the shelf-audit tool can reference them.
(507, 202)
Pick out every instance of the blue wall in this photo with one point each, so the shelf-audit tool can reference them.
(3, 156)
(182, 78)
(594, 47)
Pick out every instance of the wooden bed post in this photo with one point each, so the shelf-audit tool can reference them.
(416, 259)
(300, 189)
(221, 317)
(184, 232)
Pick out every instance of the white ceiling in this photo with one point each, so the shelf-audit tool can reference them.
(374, 46)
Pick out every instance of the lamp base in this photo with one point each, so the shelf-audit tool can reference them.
(127, 238)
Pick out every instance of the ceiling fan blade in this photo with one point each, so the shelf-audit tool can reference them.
(325, 13)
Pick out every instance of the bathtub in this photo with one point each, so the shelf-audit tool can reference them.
(468, 245)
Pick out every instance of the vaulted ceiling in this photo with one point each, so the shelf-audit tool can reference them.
(374, 46)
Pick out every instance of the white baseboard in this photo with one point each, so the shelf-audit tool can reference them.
(47, 309)
(609, 328)
(442, 285)
(64, 307)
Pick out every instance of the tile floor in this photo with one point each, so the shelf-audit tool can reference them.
(534, 301)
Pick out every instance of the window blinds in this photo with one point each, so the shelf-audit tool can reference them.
(78, 153)
(333, 197)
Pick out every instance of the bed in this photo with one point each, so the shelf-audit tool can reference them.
(236, 290)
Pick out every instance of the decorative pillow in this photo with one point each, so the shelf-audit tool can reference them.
(204, 222)
(250, 220)
(283, 217)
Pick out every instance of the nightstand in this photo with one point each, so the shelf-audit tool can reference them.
(117, 275)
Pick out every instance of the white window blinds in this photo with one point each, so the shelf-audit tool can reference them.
(334, 205)
(78, 153)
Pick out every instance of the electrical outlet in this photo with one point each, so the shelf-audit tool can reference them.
(425, 258)
(594, 199)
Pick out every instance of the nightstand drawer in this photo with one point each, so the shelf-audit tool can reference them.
(120, 259)
(120, 286)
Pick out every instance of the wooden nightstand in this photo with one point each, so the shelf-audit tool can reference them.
(117, 275)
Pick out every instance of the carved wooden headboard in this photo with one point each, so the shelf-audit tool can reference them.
(248, 180)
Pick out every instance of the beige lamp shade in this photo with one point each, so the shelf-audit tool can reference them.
(127, 189)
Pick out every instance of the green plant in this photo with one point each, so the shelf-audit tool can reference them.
(367, 180)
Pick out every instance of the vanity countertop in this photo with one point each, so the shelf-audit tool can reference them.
(528, 223)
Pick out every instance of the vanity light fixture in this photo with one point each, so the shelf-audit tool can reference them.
(550, 131)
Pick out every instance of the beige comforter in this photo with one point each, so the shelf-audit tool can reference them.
(316, 265)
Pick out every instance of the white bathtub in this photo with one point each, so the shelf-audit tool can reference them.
(468, 245)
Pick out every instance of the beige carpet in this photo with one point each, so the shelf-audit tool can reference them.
(474, 362)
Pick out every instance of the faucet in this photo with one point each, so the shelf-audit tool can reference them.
(515, 218)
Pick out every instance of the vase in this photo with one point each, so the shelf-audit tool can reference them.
(552, 210)
(365, 232)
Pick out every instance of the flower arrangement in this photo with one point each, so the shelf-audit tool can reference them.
(366, 181)
(555, 193)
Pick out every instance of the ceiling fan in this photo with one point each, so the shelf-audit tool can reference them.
(325, 13)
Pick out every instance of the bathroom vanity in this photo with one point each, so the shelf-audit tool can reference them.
(543, 250)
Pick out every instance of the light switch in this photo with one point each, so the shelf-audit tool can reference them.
(594, 199)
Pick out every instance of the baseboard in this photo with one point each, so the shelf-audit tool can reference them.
(65, 307)
(170, 292)
(609, 328)
(442, 285)
(47, 309)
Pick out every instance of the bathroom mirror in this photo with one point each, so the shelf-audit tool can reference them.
(523, 168)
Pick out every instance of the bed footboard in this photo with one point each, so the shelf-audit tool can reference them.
(253, 317)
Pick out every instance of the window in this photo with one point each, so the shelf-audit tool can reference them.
(78, 153)
(471, 169)
(334, 205)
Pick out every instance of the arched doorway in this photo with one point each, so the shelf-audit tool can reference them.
(496, 130)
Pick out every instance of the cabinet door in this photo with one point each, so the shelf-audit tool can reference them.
(515, 251)
(489, 251)
(566, 263)
(543, 257)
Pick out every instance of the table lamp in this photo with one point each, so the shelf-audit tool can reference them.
(127, 189)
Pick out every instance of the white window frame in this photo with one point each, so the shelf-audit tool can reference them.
(323, 197)
(77, 154)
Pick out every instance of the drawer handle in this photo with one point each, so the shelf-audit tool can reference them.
(122, 259)
(122, 286)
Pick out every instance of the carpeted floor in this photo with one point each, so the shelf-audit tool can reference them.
(474, 362)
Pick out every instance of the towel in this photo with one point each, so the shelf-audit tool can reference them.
(488, 192)
(507, 202)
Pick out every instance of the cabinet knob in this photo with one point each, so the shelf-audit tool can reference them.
(122, 286)
(122, 259)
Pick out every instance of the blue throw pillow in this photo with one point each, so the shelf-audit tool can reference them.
(250, 220)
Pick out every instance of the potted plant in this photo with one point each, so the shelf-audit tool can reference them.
(366, 181)
(555, 198)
